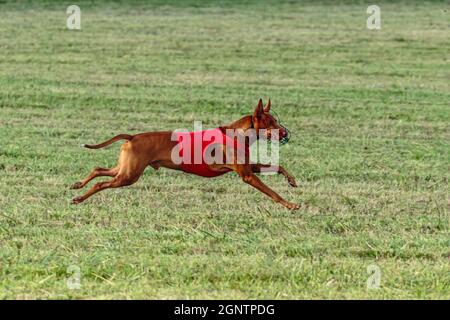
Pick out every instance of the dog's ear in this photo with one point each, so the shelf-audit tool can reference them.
(259, 109)
(267, 108)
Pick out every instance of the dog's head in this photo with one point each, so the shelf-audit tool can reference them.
(263, 120)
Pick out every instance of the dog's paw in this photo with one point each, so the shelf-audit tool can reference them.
(292, 206)
(77, 185)
(291, 181)
(77, 200)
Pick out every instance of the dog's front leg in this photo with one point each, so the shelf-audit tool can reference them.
(259, 167)
(250, 178)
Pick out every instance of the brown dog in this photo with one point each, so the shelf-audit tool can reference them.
(155, 149)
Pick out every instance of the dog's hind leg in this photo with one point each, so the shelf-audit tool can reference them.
(120, 180)
(96, 188)
(97, 172)
(128, 171)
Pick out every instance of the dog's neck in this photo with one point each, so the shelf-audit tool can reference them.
(244, 124)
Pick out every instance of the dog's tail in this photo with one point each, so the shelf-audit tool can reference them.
(107, 143)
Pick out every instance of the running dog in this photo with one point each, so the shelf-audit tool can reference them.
(156, 149)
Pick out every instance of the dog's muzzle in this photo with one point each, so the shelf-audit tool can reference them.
(286, 137)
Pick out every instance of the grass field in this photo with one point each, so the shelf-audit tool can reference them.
(370, 117)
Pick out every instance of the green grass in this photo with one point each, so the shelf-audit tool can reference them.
(370, 117)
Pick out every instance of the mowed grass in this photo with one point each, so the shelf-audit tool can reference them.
(369, 114)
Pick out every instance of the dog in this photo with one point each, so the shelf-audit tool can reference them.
(156, 149)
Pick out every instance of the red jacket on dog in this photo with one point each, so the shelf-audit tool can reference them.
(198, 146)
